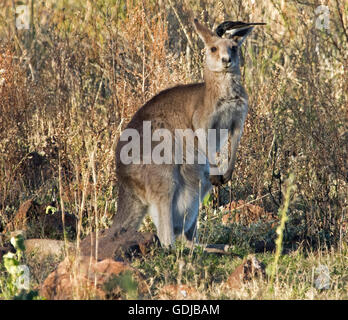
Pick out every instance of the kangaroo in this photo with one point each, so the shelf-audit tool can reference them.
(171, 192)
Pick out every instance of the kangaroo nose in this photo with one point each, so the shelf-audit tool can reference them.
(226, 60)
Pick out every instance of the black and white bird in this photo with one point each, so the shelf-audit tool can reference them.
(233, 28)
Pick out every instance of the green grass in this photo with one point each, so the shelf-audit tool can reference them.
(207, 273)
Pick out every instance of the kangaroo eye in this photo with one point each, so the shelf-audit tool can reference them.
(213, 49)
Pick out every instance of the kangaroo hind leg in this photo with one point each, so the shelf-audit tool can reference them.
(161, 214)
(131, 211)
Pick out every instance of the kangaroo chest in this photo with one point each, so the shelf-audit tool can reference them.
(229, 112)
(231, 105)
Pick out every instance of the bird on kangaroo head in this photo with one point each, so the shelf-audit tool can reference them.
(171, 192)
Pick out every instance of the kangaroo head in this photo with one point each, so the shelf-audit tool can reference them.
(222, 54)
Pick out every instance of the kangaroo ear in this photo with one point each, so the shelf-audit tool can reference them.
(205, 34)
(240, 35)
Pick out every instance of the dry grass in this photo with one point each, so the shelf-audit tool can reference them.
(72, 82)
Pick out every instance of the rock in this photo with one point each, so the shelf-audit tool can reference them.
(221, 249)
(58, 285)
(250, 268)
(106, 267)
(33, 218)
(85, 278)
(245, 213)
(178, 292)
(123, 247)
(45, 247)
(322, 282)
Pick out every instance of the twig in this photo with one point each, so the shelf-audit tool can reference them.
(246, 203)
(182, 25)
(341, 20)
(147, 23)
(62, 202)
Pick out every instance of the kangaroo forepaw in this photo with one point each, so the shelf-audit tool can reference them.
(216, 180)
(226, 178)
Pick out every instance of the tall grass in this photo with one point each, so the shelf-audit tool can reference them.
(281, 228)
